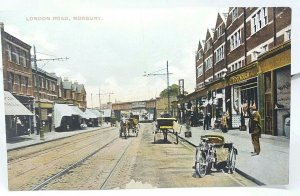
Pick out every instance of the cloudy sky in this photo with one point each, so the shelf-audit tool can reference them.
(113, 52)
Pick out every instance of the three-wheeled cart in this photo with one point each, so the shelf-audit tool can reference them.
(165, 126)
(212, 152)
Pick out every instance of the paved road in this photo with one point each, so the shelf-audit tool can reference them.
(112, 163)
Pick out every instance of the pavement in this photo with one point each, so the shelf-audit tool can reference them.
(270, 167)
(34, 139)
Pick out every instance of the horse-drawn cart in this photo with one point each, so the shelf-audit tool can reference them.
(129, 126)
(165, 126)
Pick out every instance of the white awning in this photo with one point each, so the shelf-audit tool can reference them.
(106, 113)
(96, 112)
(14, 106)
(89, 114)
(61, 110)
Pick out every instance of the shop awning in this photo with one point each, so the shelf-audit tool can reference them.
(61, 110)
(13, 106)
(89, 114)
(106, 113)
(96, 112)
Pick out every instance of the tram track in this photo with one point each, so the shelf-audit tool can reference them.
(27, 172)
(60, 157)
(24, 157)
(74, 165)
(115, 166)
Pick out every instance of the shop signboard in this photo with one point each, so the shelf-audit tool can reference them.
(243, 76)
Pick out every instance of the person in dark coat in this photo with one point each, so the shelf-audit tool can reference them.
(207, 120)
(255, 130)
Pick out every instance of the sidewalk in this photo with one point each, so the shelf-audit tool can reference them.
(33, 139)
(270, 167)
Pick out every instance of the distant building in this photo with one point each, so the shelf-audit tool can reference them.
(46, 85)
(71, 93)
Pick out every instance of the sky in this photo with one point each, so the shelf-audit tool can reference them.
(112, 53)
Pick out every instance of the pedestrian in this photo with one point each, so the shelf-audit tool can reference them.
(207, 120)
(224, 122)
(255, 129)
(50, 122)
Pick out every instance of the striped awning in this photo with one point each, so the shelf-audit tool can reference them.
(14, 107)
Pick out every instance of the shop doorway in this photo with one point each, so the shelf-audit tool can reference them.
(268, 105)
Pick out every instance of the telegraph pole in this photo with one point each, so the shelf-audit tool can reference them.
(168, 89)
(92, 99)
(99, 100)
(37, 78)
(39, 129)
(109, 95)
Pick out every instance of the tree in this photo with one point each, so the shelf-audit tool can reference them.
(174, 89)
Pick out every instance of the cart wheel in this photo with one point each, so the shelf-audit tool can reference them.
(125, 133)
(120, 132)
(200, 165)
(176, 134)
(165, 133)
(231, 161)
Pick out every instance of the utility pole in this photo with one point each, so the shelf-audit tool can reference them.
(39, 129)
(104, 94)
(92, 99)
(168, 88)
(37, 78)
(109, 95)
(99, 100)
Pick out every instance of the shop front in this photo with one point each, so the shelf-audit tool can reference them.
(45, 114)
(241, 94)
(17, 116)
(275, 68)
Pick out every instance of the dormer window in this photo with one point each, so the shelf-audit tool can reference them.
(234, 13)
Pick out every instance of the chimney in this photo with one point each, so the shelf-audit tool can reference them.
(1, 26)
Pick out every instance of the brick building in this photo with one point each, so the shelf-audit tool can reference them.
(250, 66)
(46, 85)
(17, 79)
(71, 93)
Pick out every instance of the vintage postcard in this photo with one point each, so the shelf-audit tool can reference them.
(103, 96)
